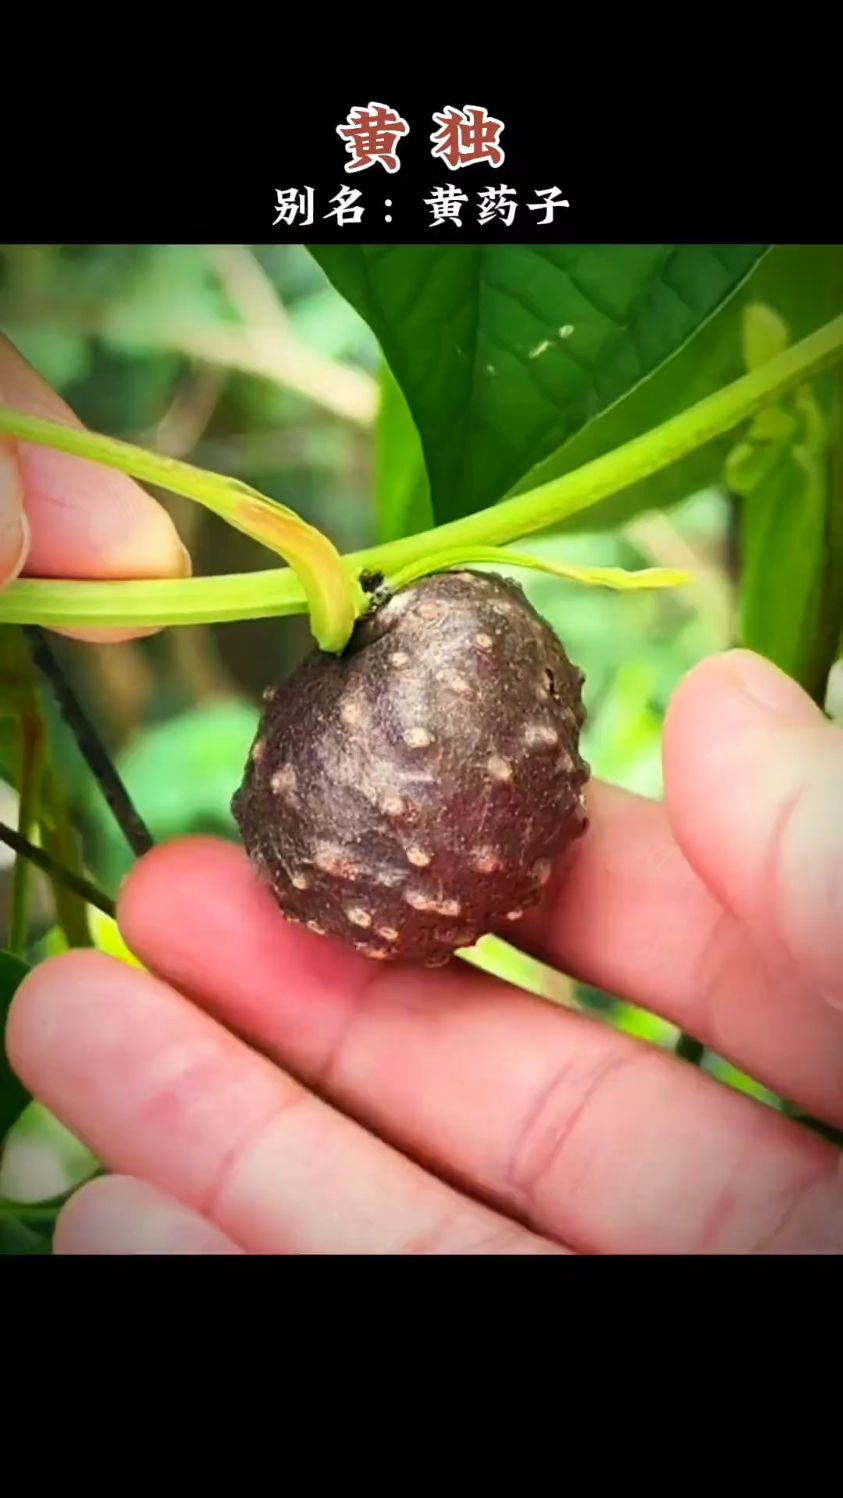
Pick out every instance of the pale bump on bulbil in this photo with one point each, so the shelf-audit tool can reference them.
(540, 736)
(429, 610)
(283, 781)
(498, 767)
(415, 792)
(352, 712)
(333, 860)
(418, 737)
(358, 916)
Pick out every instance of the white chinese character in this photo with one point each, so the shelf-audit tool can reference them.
(552, 200)
(446, 203)
(494, 201)
(292, 203)
(347, 211)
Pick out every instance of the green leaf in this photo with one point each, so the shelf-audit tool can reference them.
(505, 351)
(42, 1161)
(802, 283)
(13, 1095)
(401, 483)
(17, 1237)
(791, 537)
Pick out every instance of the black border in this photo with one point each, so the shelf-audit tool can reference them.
(632, 172)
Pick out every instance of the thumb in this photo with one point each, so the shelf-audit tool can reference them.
(754, 793)
(14, 528)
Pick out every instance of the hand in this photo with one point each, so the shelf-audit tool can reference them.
(63, 516)
(260, 1089)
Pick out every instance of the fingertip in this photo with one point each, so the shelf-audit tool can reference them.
(118, 1215)
(42, 1007)
(754, 796)
(744, 685)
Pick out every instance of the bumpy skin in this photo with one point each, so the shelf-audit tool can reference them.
(409, 796)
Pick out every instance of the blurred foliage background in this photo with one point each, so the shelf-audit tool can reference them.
(244, 359)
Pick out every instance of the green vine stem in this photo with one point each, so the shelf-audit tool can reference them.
(31, 748)
(334, 598)
(256, 595)
(595, 577)
(689, 1049)
(60, 843)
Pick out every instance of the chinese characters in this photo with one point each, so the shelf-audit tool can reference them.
(446, 204)
(373, 135)
(465, 137)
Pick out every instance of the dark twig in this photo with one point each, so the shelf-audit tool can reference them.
(128, 819)
(42, 860)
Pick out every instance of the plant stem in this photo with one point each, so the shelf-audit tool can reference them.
(334, 598)
(31, 731)
(261, 595)
(42, 860)
(58, 838)
(689, 1049)
(117, 797)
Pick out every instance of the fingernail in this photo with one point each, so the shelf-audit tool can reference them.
(186, 569)
(14, 528)
(770, 688)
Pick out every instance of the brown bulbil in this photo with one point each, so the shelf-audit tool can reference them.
(426, 819)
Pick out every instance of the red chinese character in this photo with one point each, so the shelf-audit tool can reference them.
(371, 135)
(466, 136)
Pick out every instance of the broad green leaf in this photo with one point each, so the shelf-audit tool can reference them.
(401, 483)
(791, 592)
(13, 1094)
(804, 286)
(505, 351)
